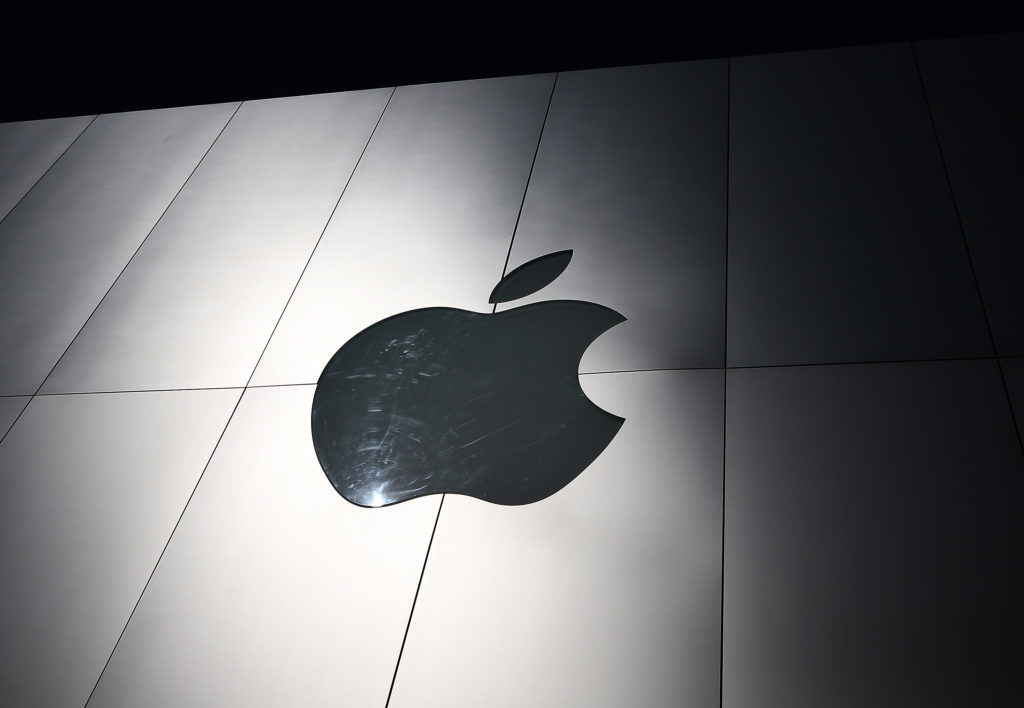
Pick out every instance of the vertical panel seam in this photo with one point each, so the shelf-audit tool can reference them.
(725, 383)
(967, 248)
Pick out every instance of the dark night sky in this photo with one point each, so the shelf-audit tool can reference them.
(103, 59)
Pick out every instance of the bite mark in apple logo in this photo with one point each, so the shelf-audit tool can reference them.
(440, 400)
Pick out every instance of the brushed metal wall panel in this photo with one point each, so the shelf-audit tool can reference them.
(63, 246)
(974, 89)
(198, 303)
(93, 486)
(426, 220)
(631, 176)
(1013, 370)
(274, 591)
(604, 594)
(28, 149)
(10, 407)
(873, 536)
(843, 240)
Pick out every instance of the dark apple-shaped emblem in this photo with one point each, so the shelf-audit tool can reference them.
(441, 400)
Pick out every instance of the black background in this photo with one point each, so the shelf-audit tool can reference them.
(96, 58)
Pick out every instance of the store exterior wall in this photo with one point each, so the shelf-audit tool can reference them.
(815, 498)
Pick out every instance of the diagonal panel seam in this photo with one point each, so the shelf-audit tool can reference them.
(48, 169)
(967, 248)
(136, 252)
(227, 423)
(164, 549)
(320, 238)
(123, 269)
(504, 268)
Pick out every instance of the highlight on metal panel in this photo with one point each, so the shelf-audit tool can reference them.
(440, 400)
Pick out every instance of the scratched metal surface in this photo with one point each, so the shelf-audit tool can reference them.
(443, 400)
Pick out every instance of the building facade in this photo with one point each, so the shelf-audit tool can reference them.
(815, 496)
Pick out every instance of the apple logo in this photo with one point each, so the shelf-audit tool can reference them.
(440, 400)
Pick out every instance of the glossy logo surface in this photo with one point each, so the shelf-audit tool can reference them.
(441, 400)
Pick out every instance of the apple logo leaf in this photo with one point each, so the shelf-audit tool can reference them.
(530, 277)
